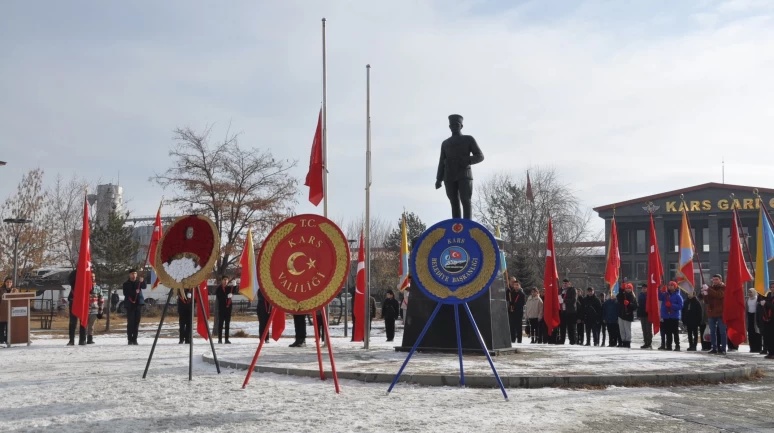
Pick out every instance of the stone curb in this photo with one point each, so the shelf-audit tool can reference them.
(664, 379)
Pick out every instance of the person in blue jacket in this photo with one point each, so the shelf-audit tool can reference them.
(671, 305)
(610, 317)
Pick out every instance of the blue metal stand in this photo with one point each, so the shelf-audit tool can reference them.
(459, 343)
(413, 349)
(486, 351)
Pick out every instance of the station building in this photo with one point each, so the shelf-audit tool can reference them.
(709, 207)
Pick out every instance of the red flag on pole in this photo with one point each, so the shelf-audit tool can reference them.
(314, 177)
(655, 271)
(358, 333)
(738, 274)
(277, 324)
(201, 320)
(551, 283)
(83, 272)
(530, 195)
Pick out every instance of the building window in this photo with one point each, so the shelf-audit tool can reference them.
(672, 271)
(725, 235)
(642, 271)
(705, 267)
(642, 242)
(626, 270)
(705, 238)
(676, 239)
(623, 241)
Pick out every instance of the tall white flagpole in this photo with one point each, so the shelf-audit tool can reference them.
(325, 125)
(367, 240)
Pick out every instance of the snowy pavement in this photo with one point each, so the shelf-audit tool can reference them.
(51, 387)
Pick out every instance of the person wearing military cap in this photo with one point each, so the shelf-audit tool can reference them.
(458, 153)
(134, 301)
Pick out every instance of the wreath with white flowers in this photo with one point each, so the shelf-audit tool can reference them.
(187, 252)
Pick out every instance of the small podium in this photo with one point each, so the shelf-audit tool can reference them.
(15, 309)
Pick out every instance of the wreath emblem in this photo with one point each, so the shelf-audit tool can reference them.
(187, 252)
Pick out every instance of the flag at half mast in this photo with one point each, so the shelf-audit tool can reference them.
(403, 266)
(685, 278)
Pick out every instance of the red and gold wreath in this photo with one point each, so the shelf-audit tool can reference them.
(303, 263)
(187, 252)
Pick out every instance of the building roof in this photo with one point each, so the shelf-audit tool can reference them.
(683, 191)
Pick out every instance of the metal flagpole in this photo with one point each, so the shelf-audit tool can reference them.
(324, 124)
(367, 240)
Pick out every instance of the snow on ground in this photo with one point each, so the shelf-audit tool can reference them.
(51, 387)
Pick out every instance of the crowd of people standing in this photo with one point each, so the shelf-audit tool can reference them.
(591, 318)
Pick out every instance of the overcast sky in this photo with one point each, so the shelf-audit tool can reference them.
(624, 99)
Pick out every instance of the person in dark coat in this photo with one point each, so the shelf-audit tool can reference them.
(580, 325)
(9, 288)
(134, 301)
(567, 312)
(610, 317)
(516, 300)
(223, 296)
(642, 314)
(390, 308)
(692, 316)
(263, 311)
(627, 305)
(753, 332)
(768, 323)
(73, 318)
(184, 311)
(592, 316)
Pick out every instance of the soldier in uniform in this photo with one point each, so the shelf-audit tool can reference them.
(299, 323)
(458, 153)
(134, 301)
(223, 296)
(184, 311)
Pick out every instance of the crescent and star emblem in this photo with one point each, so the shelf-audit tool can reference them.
(292, 264)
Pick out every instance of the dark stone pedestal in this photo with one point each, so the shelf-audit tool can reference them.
(490, 311)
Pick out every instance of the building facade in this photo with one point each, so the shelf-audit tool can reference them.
(709, 208)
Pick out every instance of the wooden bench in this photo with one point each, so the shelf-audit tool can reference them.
(46, 318)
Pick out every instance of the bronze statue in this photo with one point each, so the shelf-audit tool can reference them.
(458, 152)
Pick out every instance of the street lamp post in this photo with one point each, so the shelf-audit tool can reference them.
(16, 245)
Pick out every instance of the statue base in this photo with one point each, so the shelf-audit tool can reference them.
(490, 311)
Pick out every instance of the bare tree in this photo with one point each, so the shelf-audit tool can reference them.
(502, 201)
(236, 187)
(28, 203)
(65, 216)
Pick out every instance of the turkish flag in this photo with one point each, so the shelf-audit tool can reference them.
(314, 177)
(738, 274)
(456, 255)
(358, 310)
(83, 282)
(551, 283)
(655, 270)
(154, 243)
(201, 320)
